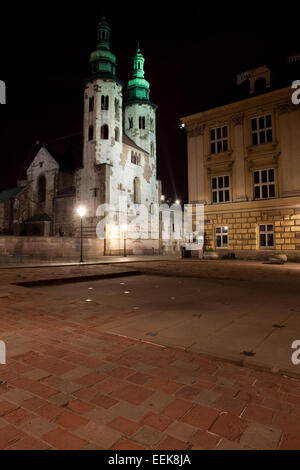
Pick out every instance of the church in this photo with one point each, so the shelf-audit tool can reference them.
(114, 158)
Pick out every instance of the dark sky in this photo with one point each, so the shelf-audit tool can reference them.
(193, 51)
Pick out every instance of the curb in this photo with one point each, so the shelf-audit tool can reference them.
(219, 358)
(71, 280)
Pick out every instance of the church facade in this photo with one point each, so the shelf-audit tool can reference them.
(113, 160)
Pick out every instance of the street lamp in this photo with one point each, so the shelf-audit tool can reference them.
(124, 228)
(81, 211)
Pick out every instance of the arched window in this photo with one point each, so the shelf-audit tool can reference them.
(117, 134)
(260, 85)
(104, 132)
(117, 109)
(136, 191)
(133, 157)
(104, 102)
(142, 122)
(91, 132)
(42, 188)
(91, 103)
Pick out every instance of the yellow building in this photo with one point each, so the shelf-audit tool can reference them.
(244, 166)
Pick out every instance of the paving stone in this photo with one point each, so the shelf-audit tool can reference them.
(181, 431)
(37, 426)
(9, 435)
(201, 417)
(290, 442)
(259, 414)
(63, 440)
(186, 380)
(100, 434)
(71, 420)
(260, 437)
(170, 443)
(157, 421)
(18, 416)
(124, 444)
(29, 443)
(127, 410)
(177, 408)
(206, 397)
(204, 440)
(157, 402)
(225, 444)
(147, 436)
(229, 426)
(50, 411)
(125, 426)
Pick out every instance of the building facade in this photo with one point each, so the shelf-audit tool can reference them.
(114, 158)
(244, 166)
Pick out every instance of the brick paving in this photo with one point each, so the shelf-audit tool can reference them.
(67, 385)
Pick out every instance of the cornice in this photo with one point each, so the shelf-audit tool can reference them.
(237, 107)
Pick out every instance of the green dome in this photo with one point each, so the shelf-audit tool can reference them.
(103, 61)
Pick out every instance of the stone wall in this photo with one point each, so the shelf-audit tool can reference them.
(243, 229)
(50, 248)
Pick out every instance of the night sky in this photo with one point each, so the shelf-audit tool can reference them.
(193, 51)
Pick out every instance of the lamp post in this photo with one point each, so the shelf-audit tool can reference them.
(124, 227)
(81, 211)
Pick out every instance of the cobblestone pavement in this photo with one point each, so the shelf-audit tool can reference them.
(67, 385)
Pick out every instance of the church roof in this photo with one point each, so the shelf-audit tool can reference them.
(9, 194)
(128, 141)
(66, 151)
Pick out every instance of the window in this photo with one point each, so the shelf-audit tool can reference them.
(104, 102)
(142, 122)
(219, 140)
(117, 134)
(91, 104)
(266, 236)
(261, 129)
(221, 237)
(130, 123)
(136, 191)
(117, 109)
(220, 189)
(260, 85)
(104, 132)
(264, 184)
(152, 149)
(135, 158)
(42, 188)
(91, 132)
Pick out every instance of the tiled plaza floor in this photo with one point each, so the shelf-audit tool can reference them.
(67, 385)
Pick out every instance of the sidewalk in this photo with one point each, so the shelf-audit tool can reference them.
(8, 263)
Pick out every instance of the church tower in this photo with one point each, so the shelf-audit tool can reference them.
(102, 131)
(140, 113)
